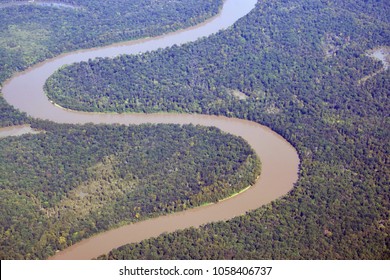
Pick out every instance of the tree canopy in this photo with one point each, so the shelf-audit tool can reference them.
(69, 182)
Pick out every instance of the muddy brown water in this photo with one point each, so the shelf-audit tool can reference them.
(16, 130)
(279, 159)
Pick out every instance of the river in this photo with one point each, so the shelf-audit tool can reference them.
(279, 159)
(16, 130)
(39, 3)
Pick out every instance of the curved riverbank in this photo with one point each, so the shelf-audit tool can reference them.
(279, 159)
(279, 173)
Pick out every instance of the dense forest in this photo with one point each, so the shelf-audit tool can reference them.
(201, 77)
(69, 181)
(296, 65)
(32, 32)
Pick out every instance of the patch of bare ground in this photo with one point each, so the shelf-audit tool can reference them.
(238, 94)
(382, 54)
(272, 110)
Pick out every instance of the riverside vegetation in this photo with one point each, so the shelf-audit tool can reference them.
(31, 33)
(299, 63)
(53, 189)
(70, 181)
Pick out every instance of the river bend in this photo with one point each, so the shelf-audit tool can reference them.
(279, 159)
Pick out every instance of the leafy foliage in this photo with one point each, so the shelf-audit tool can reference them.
(31, 33)
(34, 32)
(299, 63)
(70, 181)
(9, 116)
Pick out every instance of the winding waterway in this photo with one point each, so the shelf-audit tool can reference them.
(39, 3)
(279, 159)
(16, 130)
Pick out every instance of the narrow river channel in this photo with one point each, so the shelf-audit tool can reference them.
(279, 159)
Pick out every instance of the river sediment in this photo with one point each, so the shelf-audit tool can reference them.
(279, 159)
